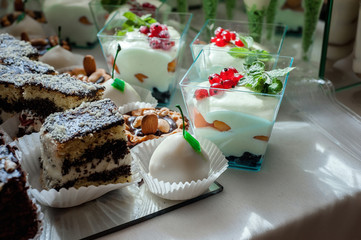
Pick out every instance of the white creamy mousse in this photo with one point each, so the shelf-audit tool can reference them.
(120, 97)
(137, 57)
(174, 161)
(248, 115)
(75, 20)
(59, 58)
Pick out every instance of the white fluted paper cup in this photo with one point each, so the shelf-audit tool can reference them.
(29, 145)
(184, 190)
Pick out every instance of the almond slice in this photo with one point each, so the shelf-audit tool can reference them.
(199, 120)
(221, 126)
(85, 20)
(262, 138)
(89, 64)
(163, 125)
(172, 66)
(140, 77)
(149, 124)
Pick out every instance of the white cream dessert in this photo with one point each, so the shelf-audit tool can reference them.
(59, 58)
(75, 20)
(249, 118)
(148, 56)
(28, 25)
(120, 96)
(237, 112)
(174, 160)
(140, 64)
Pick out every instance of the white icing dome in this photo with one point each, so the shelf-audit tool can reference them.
(174, 160)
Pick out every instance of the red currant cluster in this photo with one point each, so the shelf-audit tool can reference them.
(224, 37)
(228, 78)
(137, 7)
(158, 36)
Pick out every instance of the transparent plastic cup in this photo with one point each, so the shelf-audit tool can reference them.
(238, 120)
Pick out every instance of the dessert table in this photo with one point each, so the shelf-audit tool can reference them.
(308, 187)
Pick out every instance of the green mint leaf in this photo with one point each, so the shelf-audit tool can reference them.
(239, 52)
(119, 84)
(279, 72)
(20, 17)
(131, 16)
(247, 41)
(188, 137)
(121, 33)
(259, 80)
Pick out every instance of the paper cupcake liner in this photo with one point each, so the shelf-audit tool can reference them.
(29, 145)
(179, 191)
(146, 95)
(11, 126)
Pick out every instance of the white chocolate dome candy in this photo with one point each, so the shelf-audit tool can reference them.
(174, 160)
(59, 58)
(120, 97)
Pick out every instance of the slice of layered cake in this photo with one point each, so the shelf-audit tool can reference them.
(9, 45)
(19, 65)
(18, 214)
(85, 146)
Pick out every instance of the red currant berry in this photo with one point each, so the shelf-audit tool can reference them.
(218, 32)
(201, 93)
(166, 44)
(239, 43)
(155, 43)
(227, 74)
(214, 78)
(220, 42)
(149, 6)
(144, 29)
(226, 36)
(213, 39)
(233, 36)
(155, 29)
(228, 84)
(164, 27)
(233, 69)
(164, 34)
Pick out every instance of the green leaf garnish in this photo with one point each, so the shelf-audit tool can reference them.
(20, 17)
(115, 59)
(259, 80)
(119, 84)
(133, 21)
(247, 41)
(187, 136)
(242, 52)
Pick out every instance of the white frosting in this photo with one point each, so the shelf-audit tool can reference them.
(247, 114)
(137, 57)
(174, 160)
(29, 25)
(120, 98)
(66, 13)
(260, 4)
(59, 57)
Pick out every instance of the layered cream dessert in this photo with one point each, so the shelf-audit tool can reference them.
(148, 57)
(237, 111)
(75, 20)
(238, 121)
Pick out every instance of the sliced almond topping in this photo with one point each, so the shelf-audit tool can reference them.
(172, 66)
(85, 20)
(137, 112)
(137, 122)
(262, 138)
(221, 126)
(38, 41)
(163, 125)
(25, 37)
(149, 124)
(199, 120)
(89, 64)
(140, 77)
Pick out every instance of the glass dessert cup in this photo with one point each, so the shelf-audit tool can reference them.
(238, 120)
(140, 63)
(271, 38)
